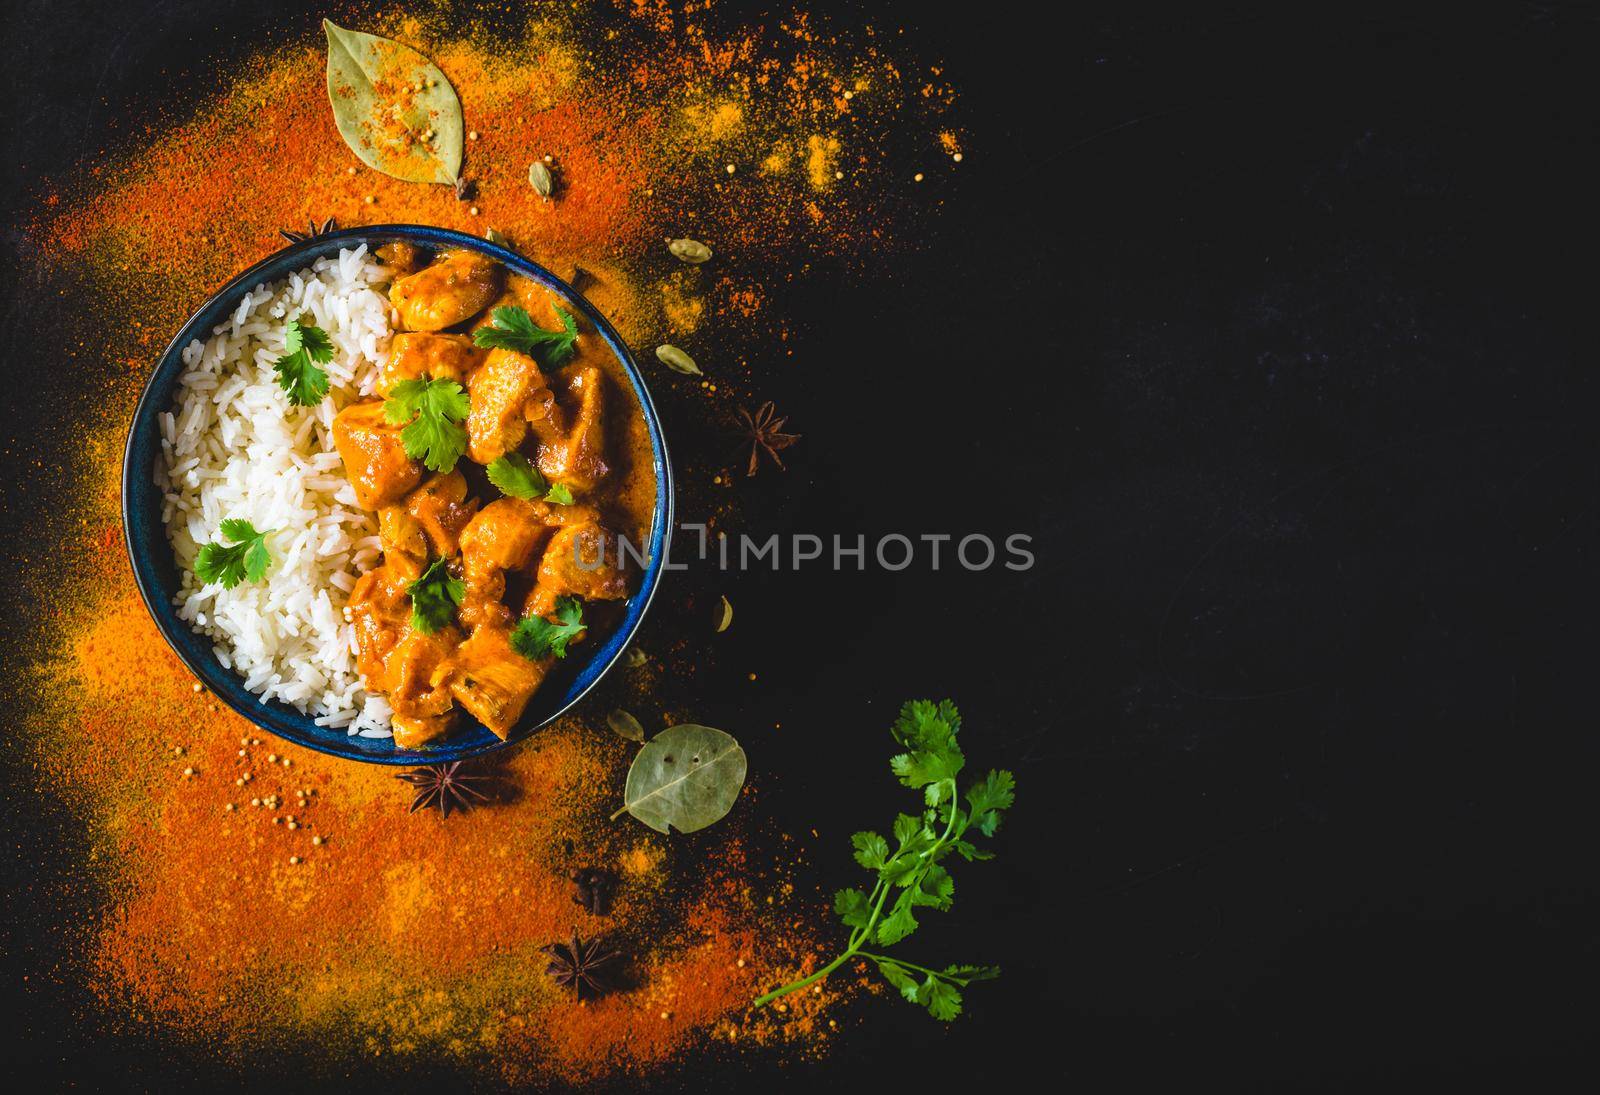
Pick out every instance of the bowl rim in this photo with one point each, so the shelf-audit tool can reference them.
(152, 402)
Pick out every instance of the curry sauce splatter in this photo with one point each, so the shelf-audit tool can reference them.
(249, 891)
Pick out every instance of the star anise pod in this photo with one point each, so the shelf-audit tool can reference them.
(763, 430)
(592, 888)
(579, 964)
(447, 785)
(313, 230)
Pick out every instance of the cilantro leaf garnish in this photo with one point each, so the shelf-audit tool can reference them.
(911, 872)
(434, 598)
(434, 409)
(512, 328)
(516, 477)
(537, 637)
(519, 479)
(242, 556)
(305, 347)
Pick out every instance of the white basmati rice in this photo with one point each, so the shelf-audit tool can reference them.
(233, 446)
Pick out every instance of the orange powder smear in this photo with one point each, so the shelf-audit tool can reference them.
(256, 895)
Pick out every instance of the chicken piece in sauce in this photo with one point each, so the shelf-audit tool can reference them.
(380, 610)
(402, 539)
(402, 256)
(576, 455)
(581, 560)
(416, 679)
(441, 508)
(452, 290)
(502, 537)
(374, 457)
(418, 355)
(493, 682)
(396, 658)
(499, 392)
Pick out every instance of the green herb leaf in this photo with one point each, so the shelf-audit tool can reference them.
(871, 850)
(512, 328)
(940, 997)
(685, 778)
(936, 889)
(241, 555)
(907, 826)
(903, 869)
(994, 793)
(929, 733)
(434, 598)
(853, 907)
(912, 873)
(896, 975)
(968, 974)
(434, 409)
(516, 477)
(558, 494)
(898, 924)
(536, 637)
(304, 347)
(393, 107)
(969, 851)
(312, 339)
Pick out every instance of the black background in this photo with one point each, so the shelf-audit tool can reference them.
(1275, 332)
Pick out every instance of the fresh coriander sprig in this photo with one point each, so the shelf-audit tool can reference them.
(512, 328)
(931, 763)
(241, 557)
(305, 347)
(434, 410)
(537, 637)
(434, 598)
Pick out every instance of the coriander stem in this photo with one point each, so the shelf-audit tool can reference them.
(858, 937)
(912, 966)
(767, 998)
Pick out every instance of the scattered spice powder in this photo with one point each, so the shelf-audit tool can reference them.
(350, 924)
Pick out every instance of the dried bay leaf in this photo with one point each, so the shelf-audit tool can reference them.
(685, 778)
(498, 238)
(678, 361)
(393, 107)
(625, 725)
(691, 251)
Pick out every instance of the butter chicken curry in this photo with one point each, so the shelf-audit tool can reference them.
(504, 455)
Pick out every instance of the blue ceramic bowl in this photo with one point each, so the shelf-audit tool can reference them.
(156, 572)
